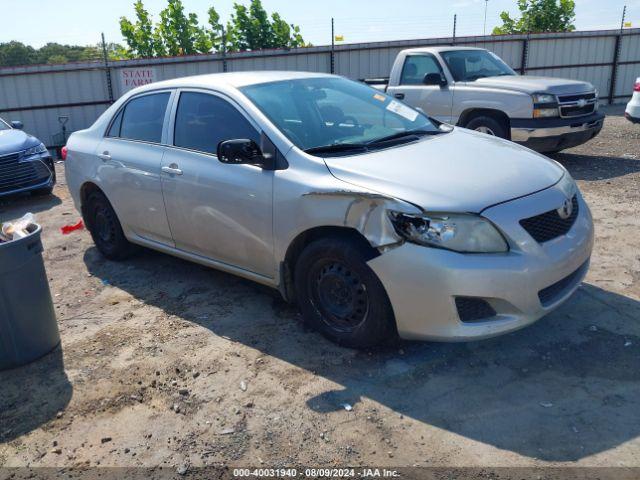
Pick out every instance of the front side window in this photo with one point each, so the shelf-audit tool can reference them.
(142, 118)
(416, 67)
(203, 121)
(470, 65)
(321, 112)
(3, 125)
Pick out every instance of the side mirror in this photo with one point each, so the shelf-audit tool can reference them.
(18, 125)
(241, 151)
(434, 79)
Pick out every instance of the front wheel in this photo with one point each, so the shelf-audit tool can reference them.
(487, 125)
(340, 296)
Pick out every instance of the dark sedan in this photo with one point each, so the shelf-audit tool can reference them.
(25, 163)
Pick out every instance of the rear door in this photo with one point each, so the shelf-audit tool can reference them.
(435, 100)
(215, 210)
(131, 155)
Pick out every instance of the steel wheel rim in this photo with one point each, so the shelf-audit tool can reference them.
(339, 296)
(486, 130)
(104, 226)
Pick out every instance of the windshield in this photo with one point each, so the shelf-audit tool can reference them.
(3, 125)
(470, 65)
(316, 113)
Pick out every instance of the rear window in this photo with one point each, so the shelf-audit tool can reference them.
(143, 118)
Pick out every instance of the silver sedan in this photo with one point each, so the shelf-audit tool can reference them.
(376, 219)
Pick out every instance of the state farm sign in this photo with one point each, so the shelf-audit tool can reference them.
(135, 77)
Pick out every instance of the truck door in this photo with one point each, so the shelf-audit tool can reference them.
(435, 100)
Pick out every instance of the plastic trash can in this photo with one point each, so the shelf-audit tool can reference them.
(28, 327)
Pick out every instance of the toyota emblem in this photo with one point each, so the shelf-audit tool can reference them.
(566, 209)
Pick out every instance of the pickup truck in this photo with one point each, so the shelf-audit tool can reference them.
(475, 89)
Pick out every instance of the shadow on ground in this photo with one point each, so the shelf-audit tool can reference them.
(598, 167)
(32, 395)
(15, 206)
(562, 389)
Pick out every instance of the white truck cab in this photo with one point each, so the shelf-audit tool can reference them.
(475, 89)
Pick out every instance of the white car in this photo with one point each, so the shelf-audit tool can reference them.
(376, 219)
(632, 113)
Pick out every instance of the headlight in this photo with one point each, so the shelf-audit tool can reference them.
(459, 232)
(568, 185)
(544, 98)
(37, 150)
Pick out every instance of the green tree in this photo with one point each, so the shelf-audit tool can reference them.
(251, 29)
(539, 16)
(140, 37)
(16, 53)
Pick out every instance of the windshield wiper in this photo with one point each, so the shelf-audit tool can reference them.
(400, 135)
(337, 147)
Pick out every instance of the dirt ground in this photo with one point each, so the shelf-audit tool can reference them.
(167, 363)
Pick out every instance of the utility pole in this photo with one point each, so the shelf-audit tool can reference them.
(624, 14)
(484, 30)
(455, 21)
(616, 58)
(105, 57)
(223, 40)
(333, 45)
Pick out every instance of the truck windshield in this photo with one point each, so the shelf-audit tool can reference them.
(334, 114)
(470, 65)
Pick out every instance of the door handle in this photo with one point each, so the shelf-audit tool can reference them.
(172, 169)
(104, 156)
(399, 96)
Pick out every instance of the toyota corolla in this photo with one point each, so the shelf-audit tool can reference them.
(376, 219)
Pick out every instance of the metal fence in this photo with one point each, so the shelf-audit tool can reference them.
(39, 95)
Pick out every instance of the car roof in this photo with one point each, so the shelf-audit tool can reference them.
(439, 49)
(232, 79)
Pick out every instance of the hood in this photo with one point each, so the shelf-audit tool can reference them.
(461, 171)
(12, 141)
(532, 84)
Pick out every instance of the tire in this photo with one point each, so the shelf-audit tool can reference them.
(340, 296)
(105, 228)
(41, 192)
(488, 125)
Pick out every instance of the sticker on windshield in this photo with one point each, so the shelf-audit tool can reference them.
(402, 110)
(379, 97)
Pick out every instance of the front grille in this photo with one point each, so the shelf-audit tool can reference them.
(472, 309)
(15, 175)
(550, 225)
(576, 111)
(575, 98)
(570, 104)
(556, 291)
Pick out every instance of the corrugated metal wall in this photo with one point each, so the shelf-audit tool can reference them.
(38, 95)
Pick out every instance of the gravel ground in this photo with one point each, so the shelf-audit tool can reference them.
(166, 363)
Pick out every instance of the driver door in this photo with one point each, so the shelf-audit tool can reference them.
(218, 211)
(434, 100)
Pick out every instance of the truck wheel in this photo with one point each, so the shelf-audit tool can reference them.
(105, 228)
(488, 125)
(340, 296)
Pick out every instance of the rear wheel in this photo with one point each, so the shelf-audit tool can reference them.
(488, 125)
(105, 228)
(340, 296)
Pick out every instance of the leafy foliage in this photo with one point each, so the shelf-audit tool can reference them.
(179, 33)
(539, 16)
(16, 53)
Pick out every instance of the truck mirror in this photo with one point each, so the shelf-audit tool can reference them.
(434, 79)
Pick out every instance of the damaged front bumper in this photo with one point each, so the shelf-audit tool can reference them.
(516, 288)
